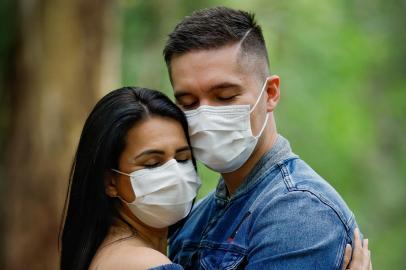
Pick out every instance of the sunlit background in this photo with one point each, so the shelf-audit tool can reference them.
(342, 66)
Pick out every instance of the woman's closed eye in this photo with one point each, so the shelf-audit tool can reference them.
(153, 163)
(183, 155)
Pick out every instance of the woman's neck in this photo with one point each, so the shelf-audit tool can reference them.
(152, 237)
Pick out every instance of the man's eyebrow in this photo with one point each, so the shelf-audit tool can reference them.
(224, 85)
(149, 152)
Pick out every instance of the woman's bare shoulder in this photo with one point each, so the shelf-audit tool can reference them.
(132, 258)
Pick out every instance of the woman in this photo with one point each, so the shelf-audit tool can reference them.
(132, 177)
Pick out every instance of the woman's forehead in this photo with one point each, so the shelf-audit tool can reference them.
(159, 133)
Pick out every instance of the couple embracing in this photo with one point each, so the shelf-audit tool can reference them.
(131, 201)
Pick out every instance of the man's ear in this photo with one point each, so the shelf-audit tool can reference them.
(273, 91)
(111, 185)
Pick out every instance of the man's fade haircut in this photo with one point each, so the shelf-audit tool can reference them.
(213, 28)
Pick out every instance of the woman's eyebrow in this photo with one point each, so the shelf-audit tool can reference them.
(149, 152)
(185, 148)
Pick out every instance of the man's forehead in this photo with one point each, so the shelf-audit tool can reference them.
(205, 56)
(206, 67)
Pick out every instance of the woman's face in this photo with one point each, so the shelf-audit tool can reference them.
(150, 143)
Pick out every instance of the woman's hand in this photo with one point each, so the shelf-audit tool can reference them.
(361, 257)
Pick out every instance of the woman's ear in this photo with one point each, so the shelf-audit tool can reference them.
(273, 91)
(111, 185)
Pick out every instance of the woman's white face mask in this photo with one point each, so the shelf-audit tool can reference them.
(165, 194)
(221, 136)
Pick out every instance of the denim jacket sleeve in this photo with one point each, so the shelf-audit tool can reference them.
(306, 234)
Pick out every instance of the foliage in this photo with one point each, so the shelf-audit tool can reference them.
(343, 108)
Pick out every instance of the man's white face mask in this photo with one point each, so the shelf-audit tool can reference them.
(221, 136)
(165, 194)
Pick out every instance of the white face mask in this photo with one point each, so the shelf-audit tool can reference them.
(165, 194)
(221, 136)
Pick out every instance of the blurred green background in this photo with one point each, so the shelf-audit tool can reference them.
(343, 107)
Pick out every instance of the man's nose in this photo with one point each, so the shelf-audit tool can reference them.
(203, 102)
(207, 101)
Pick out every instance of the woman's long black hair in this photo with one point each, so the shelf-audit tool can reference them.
(89, 212)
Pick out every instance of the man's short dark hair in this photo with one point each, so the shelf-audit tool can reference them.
(214, 28)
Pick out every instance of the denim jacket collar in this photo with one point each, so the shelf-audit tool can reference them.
(280, 151)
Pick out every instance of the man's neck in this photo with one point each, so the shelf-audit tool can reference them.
(233, 180)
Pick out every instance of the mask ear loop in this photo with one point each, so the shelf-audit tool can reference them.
(259, 97)
(118, 196)
(263, 126)
(267, 115)
(117, 171)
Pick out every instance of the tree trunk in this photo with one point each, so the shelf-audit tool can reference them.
(65, 60)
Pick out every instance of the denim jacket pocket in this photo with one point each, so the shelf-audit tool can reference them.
(222, 257)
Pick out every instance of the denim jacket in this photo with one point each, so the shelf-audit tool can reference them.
(171, 266)
(284, 216)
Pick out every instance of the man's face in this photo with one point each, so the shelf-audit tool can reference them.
(216, 77)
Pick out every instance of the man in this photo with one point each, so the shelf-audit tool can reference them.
(270, 210)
